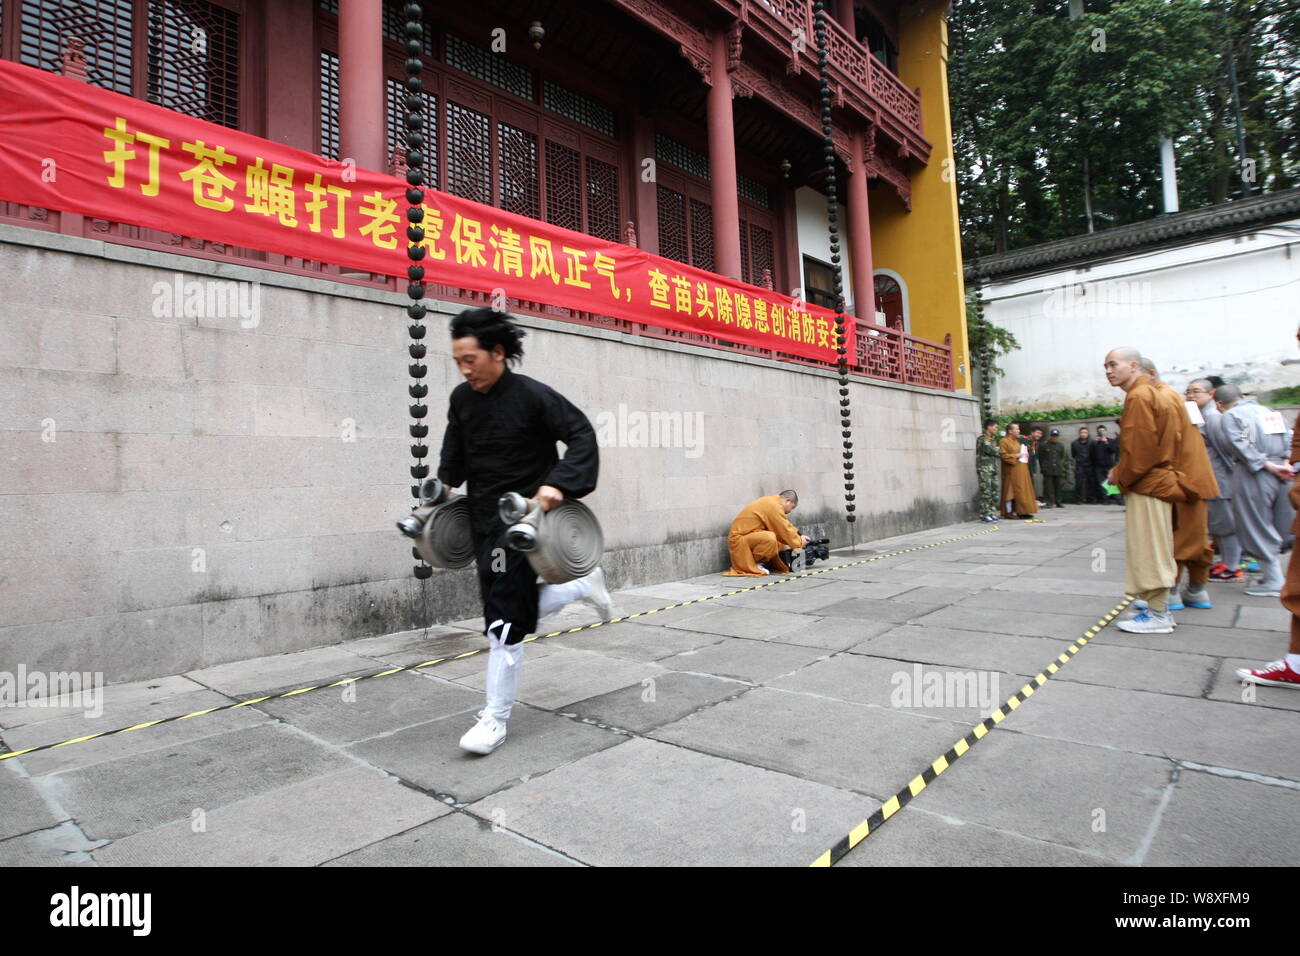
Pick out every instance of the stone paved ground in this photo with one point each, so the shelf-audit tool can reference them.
(752, 729)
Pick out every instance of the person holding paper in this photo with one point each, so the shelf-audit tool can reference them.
(1259, 442)
(1017, 488)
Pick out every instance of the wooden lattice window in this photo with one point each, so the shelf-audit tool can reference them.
(105, 27)
(395, 100)
(469, 148)
(329, 105)
(602, 199)
(755, 253)
(517, 182)
(686, 232)
(194, 59)
(190, 50)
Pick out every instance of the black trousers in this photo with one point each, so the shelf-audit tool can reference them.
(507, 584)
(1085, 484)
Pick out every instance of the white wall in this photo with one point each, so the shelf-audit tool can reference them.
(1226, 306)
(815, 240)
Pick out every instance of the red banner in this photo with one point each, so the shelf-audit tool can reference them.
(73, 147)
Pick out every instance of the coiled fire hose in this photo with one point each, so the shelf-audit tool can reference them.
(561, 544)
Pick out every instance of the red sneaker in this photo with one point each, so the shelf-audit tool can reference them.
(1277, 674)
(1225, 573)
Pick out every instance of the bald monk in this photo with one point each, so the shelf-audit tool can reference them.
(760, 532)
(1286, 672)
(1147, 476)
(1192, 549)
(1017, 487)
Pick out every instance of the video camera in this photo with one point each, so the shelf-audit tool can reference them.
(815, 550)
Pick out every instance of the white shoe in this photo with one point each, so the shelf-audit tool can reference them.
(598, 596)
(1148, 622)
(1262, 590)
(485, 736)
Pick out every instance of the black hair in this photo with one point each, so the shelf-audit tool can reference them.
(990, 421)
(490, 328)
(1215, 380)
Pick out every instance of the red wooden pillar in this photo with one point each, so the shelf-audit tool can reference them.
(362, 111)
(844, 14)
(722, 165)
(864, 296)
(645, 194)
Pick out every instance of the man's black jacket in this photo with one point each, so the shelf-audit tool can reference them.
(504, 440)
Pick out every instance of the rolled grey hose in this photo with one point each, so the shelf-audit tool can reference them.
(446, 540)
(566, 542)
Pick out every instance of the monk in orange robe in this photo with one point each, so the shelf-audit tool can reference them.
(760, 532)
(1192, 550)
(1017, 486)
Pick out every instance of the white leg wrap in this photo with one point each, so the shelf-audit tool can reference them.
(504, 663)
(552, 597)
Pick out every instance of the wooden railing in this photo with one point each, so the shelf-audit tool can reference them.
(881, 352)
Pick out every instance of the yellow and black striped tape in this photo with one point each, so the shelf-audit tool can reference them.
(480, 650)
(963, 746)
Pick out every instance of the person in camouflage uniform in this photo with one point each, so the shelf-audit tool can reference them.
(988, 465)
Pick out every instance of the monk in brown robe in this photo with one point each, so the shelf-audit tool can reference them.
(1286, 672)
(1147, 476)
(1017, 486)
(1192, 548)
(760, 532)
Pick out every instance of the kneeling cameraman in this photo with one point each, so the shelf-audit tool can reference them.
(759, 533)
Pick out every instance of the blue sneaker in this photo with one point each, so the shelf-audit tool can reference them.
(1252, 566)
(1197, 599)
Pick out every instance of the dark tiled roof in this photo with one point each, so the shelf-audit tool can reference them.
(1166, 230)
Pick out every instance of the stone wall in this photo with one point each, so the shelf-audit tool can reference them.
(182, 490)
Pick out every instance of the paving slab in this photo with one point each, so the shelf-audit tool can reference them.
(60, 845)
(872, 750)
(1194, 639)
(966, 696)
(1073, 605)
(301, 825)
(1052, 791)
(834, 633)
(108, 800)
(415, 647)
(1275, 618)
(90, 752)
(1111, 591)
(1229, 687)
(429, 757)
(343, 715)
(264, 675)
(22, 810)
(810, 600)
(643, 707)
(1219, 821)
(915, 837)
(1234, 735)
(686, 809)
(566, 675)
(739, 659)
(114, 696)
(1161, 669)
(1013, 620)
(940, 645)
(456, 839)
(634, 641)
(896, 611)
(740, 622)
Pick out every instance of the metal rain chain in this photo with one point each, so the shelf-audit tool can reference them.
(418, 390)
(832, 216)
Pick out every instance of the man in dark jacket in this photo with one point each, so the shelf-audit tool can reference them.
(500, 437)
(1051, 459)
(1084, 478)
(1105, 452)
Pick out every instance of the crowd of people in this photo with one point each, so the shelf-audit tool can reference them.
(1208, 481)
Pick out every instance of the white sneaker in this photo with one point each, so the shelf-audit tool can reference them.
(598, 596)
(1148, 622)
(1262, 590)
(485, 736)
